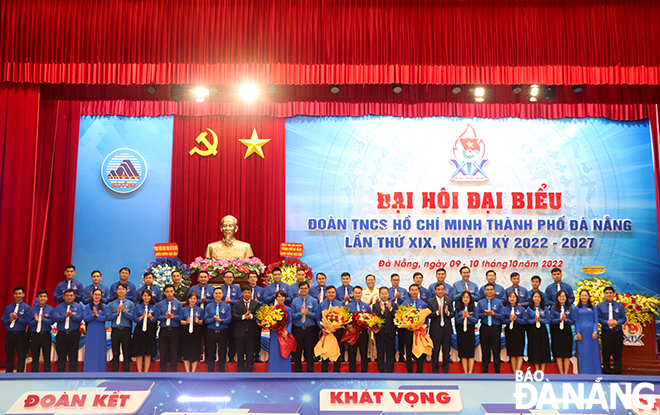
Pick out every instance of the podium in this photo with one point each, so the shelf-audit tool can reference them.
(642, 360)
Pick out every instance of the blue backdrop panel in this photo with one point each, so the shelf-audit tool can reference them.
(113, 230)
(337, 166)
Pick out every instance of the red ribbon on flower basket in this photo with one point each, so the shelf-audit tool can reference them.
(288, 344)
(361, 321)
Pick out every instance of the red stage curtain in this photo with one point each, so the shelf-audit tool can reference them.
(205, 189)
(623, 112)
(330, 41)
(38, 149)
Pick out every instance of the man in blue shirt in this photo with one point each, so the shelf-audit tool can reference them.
(520, 291)
(406, 336)
(217, 318)
(440, 276)
(120, 316)
(611, 316)
(148, 284)
(536, 283)
(15, 319)
(69, 283)
(345, 292)
(318, 291)
(424, 294)
(203, 290)
(257, 293)
(500, 292)
(363, 340)
(465, 285)
(131, 294)
(231, 293)
(301, 276)
(275, 286)
(330, 301)
(41, 320)
(68, 316)
(304, 312)
(397, 294)
(96, 284)
(552, 289)
(489, 310)
(169, 315)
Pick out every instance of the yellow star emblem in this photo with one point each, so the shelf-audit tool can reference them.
(254, 145)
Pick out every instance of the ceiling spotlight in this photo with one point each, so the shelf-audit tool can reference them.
(201, 93)
(550, 93)
(456, 89)
(335, 89)
(272, 89)
(248, 92)
(578, 88)
(176, 93)
(397, 88)
(516, 89)
(151, 89)
(480, 93)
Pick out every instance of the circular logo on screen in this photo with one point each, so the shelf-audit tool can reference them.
(124, 170)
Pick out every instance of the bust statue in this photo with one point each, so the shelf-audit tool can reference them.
(229, 246)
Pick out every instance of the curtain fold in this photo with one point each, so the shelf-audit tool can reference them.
(622, 112)
(207, 188)
(330, 41)
(38, 157)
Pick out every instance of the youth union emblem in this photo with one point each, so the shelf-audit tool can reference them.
(124, 170)
(469, 161)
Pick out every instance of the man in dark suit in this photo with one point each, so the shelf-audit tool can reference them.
(244, 315)
(385, 309)
(440, 328)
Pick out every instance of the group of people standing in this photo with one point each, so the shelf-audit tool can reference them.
(220, 325)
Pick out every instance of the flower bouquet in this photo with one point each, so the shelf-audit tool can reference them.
(361, 321)
(288, 267)
(240, 267)
(334, 318)
(410, 318)
(275, 318)
(163, 268)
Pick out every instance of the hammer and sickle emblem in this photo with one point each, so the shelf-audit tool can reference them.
(211, 149)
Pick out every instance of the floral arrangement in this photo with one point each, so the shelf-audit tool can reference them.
(289, 267)
(163, 268)
(412, 319)
(241, 267)
(269, 315)
(362, 320)
(333, 319)
(640, 308)
(275, 318)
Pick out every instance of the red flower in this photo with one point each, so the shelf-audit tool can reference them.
(634, 301)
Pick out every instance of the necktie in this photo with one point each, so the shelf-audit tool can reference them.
(466, 287)
(41, 315)
(68, 285)
(322, 297)
(442, 312)
(490, 318)
(121, 302)
(66, 322)
(382, 307)
(345, 291)
(169, 310)
(513, 313)
(561, 324)
(558, 289)
(229, 291)
(149, 288)
(144, 320)
(415, 303)
(611, 317)
(252, 296)
(11, 326)
(304, 317)
(277, 288)
(217, 313)
(517, 295)
(200, 298)
(538, 323)
(358, 306)
(192, 320)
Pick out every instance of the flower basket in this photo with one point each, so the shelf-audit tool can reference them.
(162, 269)
(240, 267)
(289, 267)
